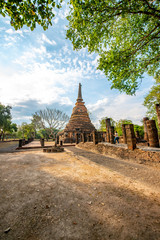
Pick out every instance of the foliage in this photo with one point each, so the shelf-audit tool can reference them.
(5, 120)
(50, 120)
(152, 98)
(29, 12)
(124, 33)
(25, 131)
(103, 124)
(5, 114)
(140, 129)
(118, 125)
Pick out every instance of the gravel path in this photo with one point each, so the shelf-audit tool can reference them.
(77, 195)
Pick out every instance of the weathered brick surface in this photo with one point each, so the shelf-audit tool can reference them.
(108, 124)
(124, 134)
(145, 128)
(158, 113)
(122, 153)
(130, 135)
(152, 133)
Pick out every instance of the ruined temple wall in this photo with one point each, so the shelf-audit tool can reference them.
(121, 153)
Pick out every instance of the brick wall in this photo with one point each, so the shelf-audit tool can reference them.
(121, 153)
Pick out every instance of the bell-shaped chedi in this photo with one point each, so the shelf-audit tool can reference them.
(79, 120)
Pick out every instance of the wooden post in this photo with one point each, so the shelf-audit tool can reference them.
(131, 139)
(152, 133)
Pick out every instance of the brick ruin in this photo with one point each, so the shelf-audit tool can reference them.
(80, 129)
(158, 113)
(79, 123)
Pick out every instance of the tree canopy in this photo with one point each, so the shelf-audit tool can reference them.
(29, 12)
(152, 98)
(125, 34)
(50, 120)
(5, 121)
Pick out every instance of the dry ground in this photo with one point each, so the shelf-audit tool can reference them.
(77, 195)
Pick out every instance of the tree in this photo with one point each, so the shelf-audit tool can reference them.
(124, 33)
(118, 125)
(25, 130)
(5, 120)
(29, 12)
(103, 124)
(152, 98)
(140, 129)
(36, 122)
(51, 120)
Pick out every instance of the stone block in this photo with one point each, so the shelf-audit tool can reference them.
(152, 133)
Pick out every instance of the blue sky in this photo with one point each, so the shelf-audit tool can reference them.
(40, 69)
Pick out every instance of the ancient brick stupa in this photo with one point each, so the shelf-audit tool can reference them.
(79, 121)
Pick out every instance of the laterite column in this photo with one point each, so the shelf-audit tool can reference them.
(76, 138)
(152, 133)
(111, 134)
(95, 137)
(108, 124)
(145, 128)
(124, 134)
(131, 139)
(158, 113)
(137, 134)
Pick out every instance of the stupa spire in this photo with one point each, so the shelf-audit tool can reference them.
(79, 99)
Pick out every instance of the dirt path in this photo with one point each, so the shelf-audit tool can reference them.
(77, 195)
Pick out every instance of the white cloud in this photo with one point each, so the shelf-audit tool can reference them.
(121, 107)
(45, 39)
(11, 31)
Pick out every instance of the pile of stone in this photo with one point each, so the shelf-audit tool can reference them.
(53, 149)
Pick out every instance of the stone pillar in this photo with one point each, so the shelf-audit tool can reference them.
(20, 143)
(137, 134)
(152, 133)
(85, 137)
(124, 134)
(158, 114)
(145, 128)
(23, 142)
(131, 139)
(42, 142)
(108, 124)
(95, 137)
(76, 134)
(57, 139)
(111, 134)
(88, 138)
(82, 137)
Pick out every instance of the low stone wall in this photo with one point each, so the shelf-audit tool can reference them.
(121, 153)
